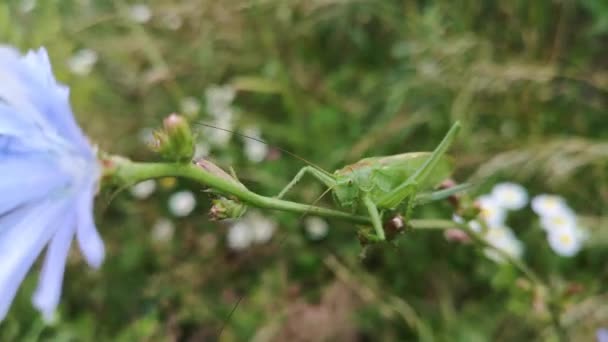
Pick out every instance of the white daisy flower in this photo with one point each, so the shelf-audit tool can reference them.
(219, 99)
(563, 219)
(82, 62)
(261, 226)
(510, 196)
(239, 236)
(143, 190)
(566, 241)
(27, 6)
(162, 230)
(255, 151)
(220, 137)
(503, 238)
(547, 205)
(490, 211)
(182, 203)
(316, 227)
(140, 13)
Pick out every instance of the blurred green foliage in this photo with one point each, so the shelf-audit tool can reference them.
(333, 81)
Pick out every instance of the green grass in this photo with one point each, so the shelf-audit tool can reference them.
(334, 81)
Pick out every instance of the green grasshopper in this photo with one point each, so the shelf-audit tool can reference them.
(388, 184)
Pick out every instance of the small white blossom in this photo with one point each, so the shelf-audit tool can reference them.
(162, 230)
(143, 190)
(564, 219)
(82, 62)
(547, 205)
(262, 227)
(566, 241)
(239, 236)
(140, 13)
(219, 137)
(218, 104)
(182, 203)
(510, 196)
(502, 238)
(190, 106)
(491, 212)
(316, 227)
(252, 228)
(219, 100)
(27, 6)
(255, 151)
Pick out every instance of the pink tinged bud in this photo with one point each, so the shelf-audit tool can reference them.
(173, 122)
(175, 142)
(456, 235)
(397, 222)
(217, 171)
(224, 208)
(394, 225)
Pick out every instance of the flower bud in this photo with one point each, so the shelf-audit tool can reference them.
(395, 225)
(224, 208)
(175, 142)
(456, 235)
(217, 171)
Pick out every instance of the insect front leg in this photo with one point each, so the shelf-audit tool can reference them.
(372, 209)
(321, 176)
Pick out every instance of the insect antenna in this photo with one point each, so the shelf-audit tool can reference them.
(265, 143)
(236, 305)
(281, 242)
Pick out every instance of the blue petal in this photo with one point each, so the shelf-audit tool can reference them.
(46, 297)
(27, 82)
(602, 335)
(26, 178)
(23, 235)
(89, 241)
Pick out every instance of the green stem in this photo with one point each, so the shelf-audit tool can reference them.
(127, 173)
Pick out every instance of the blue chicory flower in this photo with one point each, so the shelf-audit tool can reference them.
(602, 335)
(48, 179)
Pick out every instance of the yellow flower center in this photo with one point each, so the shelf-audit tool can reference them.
(566, 239)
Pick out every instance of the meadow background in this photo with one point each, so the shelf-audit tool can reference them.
(332, 81)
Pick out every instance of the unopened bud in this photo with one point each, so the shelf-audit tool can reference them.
(456, 235)
(224, 208)
(175, 142)
(394, 225)
(217, 171)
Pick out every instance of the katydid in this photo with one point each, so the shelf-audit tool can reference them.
(387, 184)
(378, 185)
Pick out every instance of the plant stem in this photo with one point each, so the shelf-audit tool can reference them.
(127, 173)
